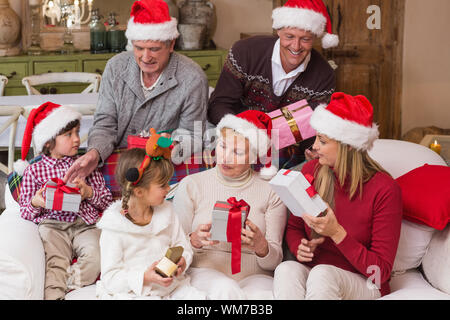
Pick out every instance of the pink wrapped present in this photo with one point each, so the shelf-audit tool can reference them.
(290, 124)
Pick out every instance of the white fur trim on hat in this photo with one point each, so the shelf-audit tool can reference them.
(20, 166)
(152, 31)
(268, 173)
(258, 138)
(52, 124)
(304, 19)
(346, 131)
(330, 41)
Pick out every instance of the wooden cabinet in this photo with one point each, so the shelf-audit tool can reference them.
(15, 68)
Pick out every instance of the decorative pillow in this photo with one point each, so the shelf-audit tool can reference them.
(436, 262)
(412, 246)
(15, 180)
(425, 194)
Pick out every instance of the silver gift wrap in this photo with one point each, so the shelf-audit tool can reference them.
(71, 202)
(220, 221)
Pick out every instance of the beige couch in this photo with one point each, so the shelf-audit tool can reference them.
(22, 257)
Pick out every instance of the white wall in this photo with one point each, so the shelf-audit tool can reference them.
(426, 65)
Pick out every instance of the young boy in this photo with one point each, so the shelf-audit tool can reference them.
(65, 235)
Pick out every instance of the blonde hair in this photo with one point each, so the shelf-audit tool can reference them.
(351, 164)
(158, 172)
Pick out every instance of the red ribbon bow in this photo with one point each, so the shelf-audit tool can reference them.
(61, 188)
(234, 225)
(311, 191)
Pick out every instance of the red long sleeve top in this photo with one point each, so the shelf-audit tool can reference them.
(372, 224)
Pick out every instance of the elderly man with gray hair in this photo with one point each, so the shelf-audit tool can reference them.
(150, 87)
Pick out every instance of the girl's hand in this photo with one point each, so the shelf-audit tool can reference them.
(305, 251)
(38, 200)
(181, 267)
(254, 239)
(150, 276)
(85, 190)
(327, 226)
(200, 237)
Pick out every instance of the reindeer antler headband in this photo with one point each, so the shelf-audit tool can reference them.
(156, 147)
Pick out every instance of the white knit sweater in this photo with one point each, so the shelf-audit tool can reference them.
(194, 201)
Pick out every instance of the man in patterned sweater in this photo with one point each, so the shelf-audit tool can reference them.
(268, 72)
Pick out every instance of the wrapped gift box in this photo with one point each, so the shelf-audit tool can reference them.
(136, 142)
(290, 124)
(220, 220)
(62, 197)
(167, 266)
(295, 190)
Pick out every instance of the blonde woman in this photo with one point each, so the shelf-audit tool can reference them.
(354, 254)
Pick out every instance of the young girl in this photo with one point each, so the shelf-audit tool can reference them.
(138, 230)
(65, 235)
(354, 256)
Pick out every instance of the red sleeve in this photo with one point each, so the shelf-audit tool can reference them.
(295, 232)
(386, 224)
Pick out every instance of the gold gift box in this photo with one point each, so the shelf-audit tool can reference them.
(168, 264)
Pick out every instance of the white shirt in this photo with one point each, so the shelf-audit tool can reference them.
(280, 79)
(147, 90)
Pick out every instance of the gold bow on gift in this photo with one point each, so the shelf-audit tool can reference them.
(287, 114)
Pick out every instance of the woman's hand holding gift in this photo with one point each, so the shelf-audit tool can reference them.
(254, 239)
(200, 237)
(305, 251)
(327, 226)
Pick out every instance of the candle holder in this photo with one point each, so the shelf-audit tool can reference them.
(436, 147)
(35, 48)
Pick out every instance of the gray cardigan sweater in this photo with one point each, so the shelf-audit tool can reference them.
(179, 99)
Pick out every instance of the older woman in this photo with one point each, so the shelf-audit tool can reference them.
(242, 138)
(354, 256)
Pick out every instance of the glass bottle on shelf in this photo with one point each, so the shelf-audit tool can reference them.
(35, 47)
(98, 33)
(115, 36)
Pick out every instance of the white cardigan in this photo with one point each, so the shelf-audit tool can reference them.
(127, 251)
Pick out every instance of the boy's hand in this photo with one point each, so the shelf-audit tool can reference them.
(150, 276)
(38, 200)
(85, 190)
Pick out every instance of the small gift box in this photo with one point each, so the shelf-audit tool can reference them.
(136, 142)
(220, 220)
(290, 124)
(227, 222)
(167, 266)
(298, 193)
(62, 197)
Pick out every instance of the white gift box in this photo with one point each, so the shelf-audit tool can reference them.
(220, 220)
(70, 202)
(291, 187)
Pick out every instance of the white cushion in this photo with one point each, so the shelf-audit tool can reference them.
(412, 246)
(412, 286)
(85, 293)
(436, 262)
(22, 258)
(399, 157)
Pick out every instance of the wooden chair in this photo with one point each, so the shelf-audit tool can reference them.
(3, 82)
(13, 112)
(59, 77)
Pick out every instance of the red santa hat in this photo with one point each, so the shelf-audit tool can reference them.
(256, 126)
(309, 15)
(44, 123)
(347, 119)
(150, 20)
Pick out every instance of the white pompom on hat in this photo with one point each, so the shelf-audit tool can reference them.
(347, 119)
(43, 124)
(256, 126)
(150, 20)
(309, 15)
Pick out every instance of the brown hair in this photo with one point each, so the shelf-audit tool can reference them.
(50, 145)
(158, 172)
(350, 163)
